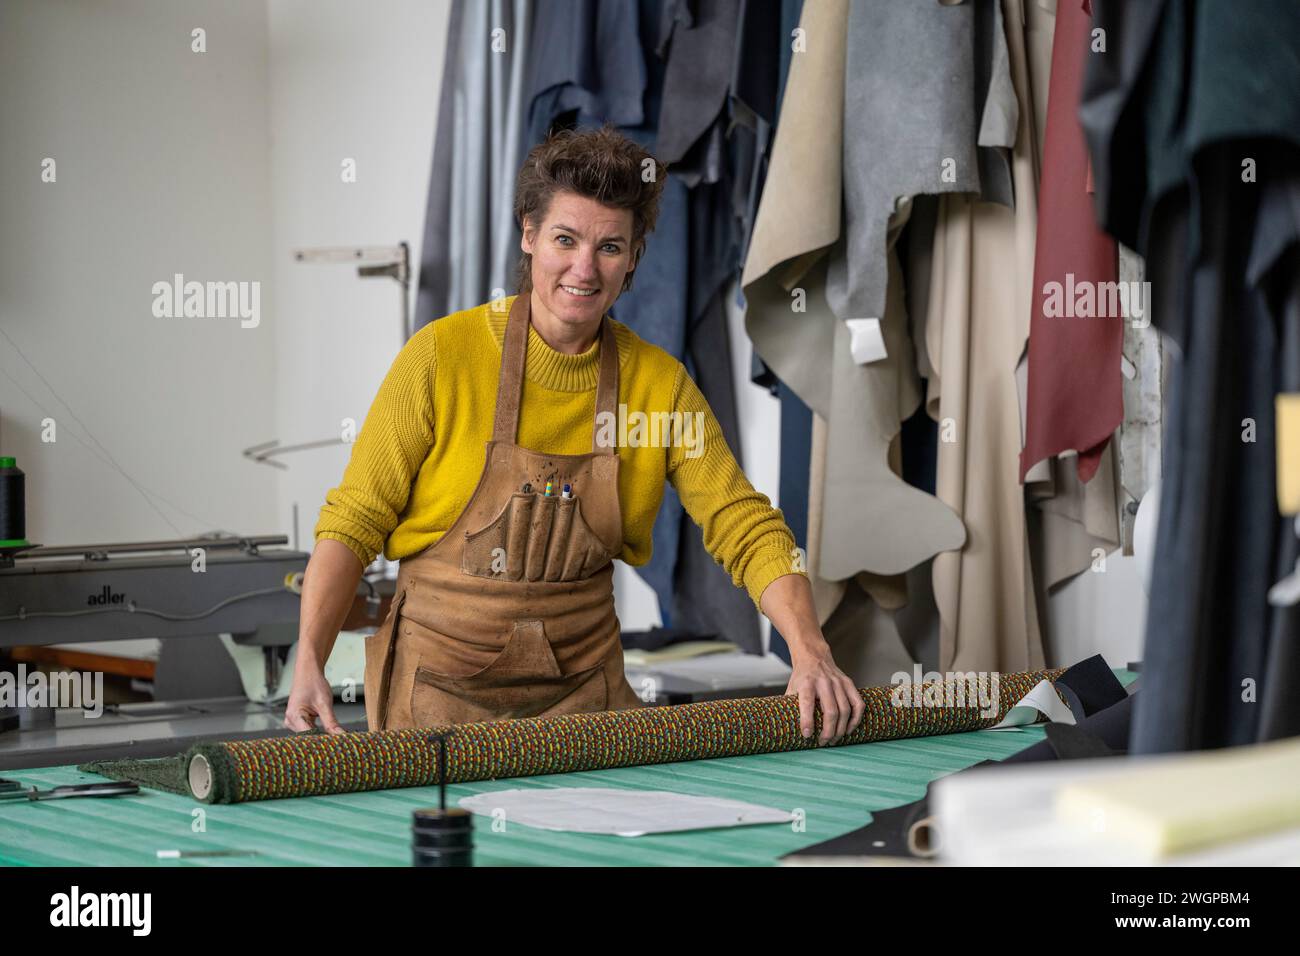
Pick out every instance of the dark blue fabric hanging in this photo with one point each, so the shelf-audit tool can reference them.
(796, 458)
(1185, 94)
(601, 62)
(587, 65)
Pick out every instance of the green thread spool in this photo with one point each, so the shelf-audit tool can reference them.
(13, 505)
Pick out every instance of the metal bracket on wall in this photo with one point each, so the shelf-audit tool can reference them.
(392, 261)
(262, 453)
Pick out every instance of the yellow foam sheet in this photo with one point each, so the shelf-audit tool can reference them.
(1182, 803)
(1287, 406)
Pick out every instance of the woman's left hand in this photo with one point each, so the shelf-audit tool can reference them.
(816, 680)
(788, 603)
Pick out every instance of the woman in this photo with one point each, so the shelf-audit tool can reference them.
(505, 601)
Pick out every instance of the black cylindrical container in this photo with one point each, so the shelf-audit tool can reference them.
(13, 506)
(442, 837)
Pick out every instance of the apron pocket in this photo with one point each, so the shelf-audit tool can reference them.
(380, 647)
(498, 550)
(575, 551)
(520, 520)
(539, 537)
(559, 538)
(435, 703)
(438, 700)
(535, 537)
(523, 680)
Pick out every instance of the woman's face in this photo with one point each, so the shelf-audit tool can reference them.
(582, 251)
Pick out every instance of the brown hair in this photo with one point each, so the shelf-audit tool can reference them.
(600, 164)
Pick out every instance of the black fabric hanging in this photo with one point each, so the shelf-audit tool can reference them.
(1194, 129)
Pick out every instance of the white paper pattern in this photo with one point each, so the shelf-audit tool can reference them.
(617, 812)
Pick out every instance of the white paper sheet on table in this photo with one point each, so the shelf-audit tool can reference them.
(618, 812)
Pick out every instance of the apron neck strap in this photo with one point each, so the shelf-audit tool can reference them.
(510, 387)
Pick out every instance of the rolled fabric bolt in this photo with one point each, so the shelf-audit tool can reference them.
(567, 491)
(550, 489)
(315, 764)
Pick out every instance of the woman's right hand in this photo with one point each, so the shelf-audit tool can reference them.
(310, 698)
(327, 590)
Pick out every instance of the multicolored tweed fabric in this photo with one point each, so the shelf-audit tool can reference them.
(315, 764)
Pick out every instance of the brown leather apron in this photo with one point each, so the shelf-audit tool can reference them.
(511, 612)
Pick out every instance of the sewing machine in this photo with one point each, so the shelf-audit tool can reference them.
(184, 593)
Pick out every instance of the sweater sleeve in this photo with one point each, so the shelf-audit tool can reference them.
(742, 531)
(394, 442)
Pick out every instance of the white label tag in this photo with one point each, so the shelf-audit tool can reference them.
(867, 343)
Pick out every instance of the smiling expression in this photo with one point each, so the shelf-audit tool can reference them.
(582, 252)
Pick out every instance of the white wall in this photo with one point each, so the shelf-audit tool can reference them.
(356, 81)
(1098, 612)
(214, 165)
(161, 168)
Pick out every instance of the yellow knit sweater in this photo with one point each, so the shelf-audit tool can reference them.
(420, 452)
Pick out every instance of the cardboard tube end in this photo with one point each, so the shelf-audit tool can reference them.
(200, 776)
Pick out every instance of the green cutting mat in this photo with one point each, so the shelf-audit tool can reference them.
(837, 788)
